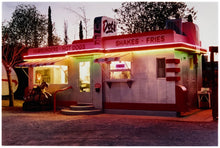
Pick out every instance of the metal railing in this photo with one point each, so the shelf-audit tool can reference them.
(54, 96)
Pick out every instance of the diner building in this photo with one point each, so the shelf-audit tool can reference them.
(157, 70)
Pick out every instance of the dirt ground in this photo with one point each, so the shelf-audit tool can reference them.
(17, 103)
(46, 128)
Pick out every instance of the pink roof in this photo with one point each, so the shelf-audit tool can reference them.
(130, 42)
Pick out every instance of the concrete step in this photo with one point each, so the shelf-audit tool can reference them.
(80, 112)
(85, 107)
(84, 104)
(81, 109)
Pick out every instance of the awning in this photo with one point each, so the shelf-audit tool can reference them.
(40, 62)
(114, 57)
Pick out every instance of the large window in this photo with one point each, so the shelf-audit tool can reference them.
(52, 74)
(161, 68)
(120, 70)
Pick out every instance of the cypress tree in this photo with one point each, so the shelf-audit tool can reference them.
(50, 28)
(80, 31)
(65, 33)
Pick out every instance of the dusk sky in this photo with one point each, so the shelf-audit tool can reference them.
(207, 17)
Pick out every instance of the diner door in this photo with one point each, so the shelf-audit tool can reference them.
(84, 81)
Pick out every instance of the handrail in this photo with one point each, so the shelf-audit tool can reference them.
(54, 97)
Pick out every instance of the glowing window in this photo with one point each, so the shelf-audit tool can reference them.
(120, 70)
(191, 63)
(52, 74)
(84, 76)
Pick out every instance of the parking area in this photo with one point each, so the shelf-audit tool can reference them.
(54, 129)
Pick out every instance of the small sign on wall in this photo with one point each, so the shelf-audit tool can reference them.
(120, 66)
(97, 87)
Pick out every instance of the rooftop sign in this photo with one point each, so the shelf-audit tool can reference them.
(166, 36)
(103, 26)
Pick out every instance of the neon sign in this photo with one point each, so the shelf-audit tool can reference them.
(57, 49)
(155, 39)
(140, 40)
(119, 66)
(127, 42)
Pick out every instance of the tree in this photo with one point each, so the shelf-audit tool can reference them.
(80, 31)
(11, 55)
(27, 26)
(83, 17)
(65, 33)
(50, 28)
(137, 17)
(52, 38)
(56, 40)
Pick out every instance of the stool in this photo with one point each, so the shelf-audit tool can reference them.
(204, 94)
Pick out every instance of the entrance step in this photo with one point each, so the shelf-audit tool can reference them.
(80, 112)
(86, 107)
(84, 104)
(81, 109)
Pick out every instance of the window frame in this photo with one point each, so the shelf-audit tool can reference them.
(51, 74)
(157, 68)
(120, 70)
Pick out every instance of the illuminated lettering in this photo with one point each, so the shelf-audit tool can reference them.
(155, 39)
(56, 49)
(127, 42)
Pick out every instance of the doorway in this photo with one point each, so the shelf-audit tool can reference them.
(84, 81)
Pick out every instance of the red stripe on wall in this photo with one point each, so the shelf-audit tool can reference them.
(175, 61)
(173, 78)
(44, 56)
(14, 81)
(147, 47)
(140, 106)
(204, 50)
(176, 70)
(66, 103)
(82, 41)
(84, 51)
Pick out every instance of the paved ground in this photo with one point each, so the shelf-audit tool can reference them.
(47, 128)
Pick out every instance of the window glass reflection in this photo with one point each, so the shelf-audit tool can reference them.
(84, 76)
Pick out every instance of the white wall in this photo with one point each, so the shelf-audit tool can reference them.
(146, 88)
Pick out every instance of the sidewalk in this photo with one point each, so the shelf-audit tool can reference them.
(44, 128)
(198, 115)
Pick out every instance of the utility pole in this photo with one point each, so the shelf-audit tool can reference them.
(214, 83)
